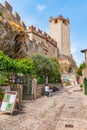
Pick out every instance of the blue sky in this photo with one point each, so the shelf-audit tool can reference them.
(37, 13)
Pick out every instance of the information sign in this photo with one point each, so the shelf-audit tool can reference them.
(8, 101)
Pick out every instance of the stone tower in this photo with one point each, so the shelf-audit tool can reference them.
(60, 31)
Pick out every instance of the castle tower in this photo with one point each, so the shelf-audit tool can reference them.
(60, 31)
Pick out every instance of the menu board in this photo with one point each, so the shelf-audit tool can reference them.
(8, 101)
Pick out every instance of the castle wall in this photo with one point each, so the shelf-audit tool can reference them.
(60, 31)
(42, 46)
(6, 10)
(46, 45)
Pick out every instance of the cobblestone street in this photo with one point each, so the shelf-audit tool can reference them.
(65, 110)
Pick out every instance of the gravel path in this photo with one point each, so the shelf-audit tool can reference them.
(66, 109)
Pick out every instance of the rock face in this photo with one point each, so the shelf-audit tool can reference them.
(12, 41)
(68, 64)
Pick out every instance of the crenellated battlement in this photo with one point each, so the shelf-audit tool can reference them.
(16, 15)
(8, 6)
(44, 35)
(32, 29)
(59, 18)
(7, 14)
(23, 25)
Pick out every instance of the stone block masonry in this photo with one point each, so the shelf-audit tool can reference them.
(60, 31)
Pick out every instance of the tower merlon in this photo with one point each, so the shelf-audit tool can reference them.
(45, 35)
(8, 6)
(23, 25)
(39, 31)
(59, 18)
(32, 29)
(16, 15)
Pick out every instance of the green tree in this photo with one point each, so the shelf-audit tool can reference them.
(44, 66)
(82, 66)
(7, 64)
(25, 65)
(56, 71)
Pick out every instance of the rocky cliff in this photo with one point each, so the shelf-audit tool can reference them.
(12, 39)
(67, 64)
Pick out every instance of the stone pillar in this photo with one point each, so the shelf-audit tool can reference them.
(34, 87)
(46, 80)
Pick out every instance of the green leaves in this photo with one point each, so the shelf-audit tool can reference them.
(6, 63)
(25, 65)
(44, 66)
(38, 66)
(82, 66)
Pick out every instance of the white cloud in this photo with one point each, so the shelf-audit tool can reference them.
(41, 7)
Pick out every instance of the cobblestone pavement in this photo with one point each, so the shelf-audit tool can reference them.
(65, 110)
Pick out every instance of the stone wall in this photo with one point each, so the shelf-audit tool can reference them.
(6, 10)
(40, 88)
(44, 44)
